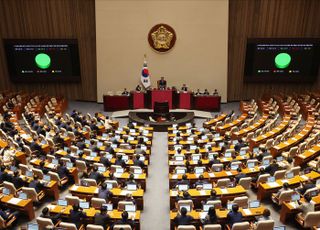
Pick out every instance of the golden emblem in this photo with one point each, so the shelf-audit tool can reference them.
(162, 37)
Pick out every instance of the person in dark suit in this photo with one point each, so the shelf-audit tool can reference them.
(211, 217)
(96, 175)
(3, 174)
(138, 162)
(272, 168)
(206, 92)
(45, 214)
(162, 84)
(17, 181)
(185, 196)
(239, 145)
(120, 162)
(234, 216)
(184, 180)
(36, 184)
(105, 161)
(183, 218)
(138, 88)
(102, 218)
(240, 175)
(213, 196)
(125, 220)
(200, 181)
(215, 160)
(76, 216)
(184, 88)
(62, 170)
(104, 193)
(307, 185)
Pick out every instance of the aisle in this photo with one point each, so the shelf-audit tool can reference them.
(156, 200)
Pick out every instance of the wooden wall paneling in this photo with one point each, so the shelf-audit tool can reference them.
(266, 18)
(52, 19)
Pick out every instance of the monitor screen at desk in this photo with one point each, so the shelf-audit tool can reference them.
(130, 208)
(69, 165)
(180, 171)
(23, 196)
(234, 167)
(32, 226)
(183, 187)
(84, 205)
(5, 191)
(254, 204)
(29, 174)
(46, 178)
(250, 165)
(295, 197)
(132, 187)
(207, 186)
(62, 203)
(279, 228)
(199, 170)
(101, 169)
(271, 179)
(207, 206)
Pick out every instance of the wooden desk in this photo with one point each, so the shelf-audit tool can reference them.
(24, 206)
(251, 128)
(214, 121)
(201, 195)
(283, 146)
(266, 189)
(193, 178)
(228, 126)
(123, 177)
(274, 132)
(189, 152)
(288, 210)
(118, 194)
(248, 215)
(114, 214)
(307, 155)
(21, 157)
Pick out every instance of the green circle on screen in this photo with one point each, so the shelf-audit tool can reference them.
(43, 60)
(282, 60)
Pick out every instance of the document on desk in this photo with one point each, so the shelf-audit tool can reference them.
(175, 176)
(117, 174)
(211, 175)
(174, 193)
(247, 211)
(294, 205)
(273, 184)
(203, 215)
(304, 177)
(74, 188)
(224, 190)
(203, 192)
(125, 192)
(229, 173)
(14, 200)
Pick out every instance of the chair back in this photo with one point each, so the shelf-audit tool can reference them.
(122, 204)
(212, 227)
(23, 168)
(81, 166)
(10, 186)
(240, 226)
(38, 172)
(217, 167)
(90, 182)
(186, 227)
(94, 227)
(215, 203)
(68, 226)
(122, 226)
(242, 201)
(285, 196)
(223, 182)
(2, 223)
(263, 178)
(44, 222)
(280, 174)
(113, 182)
(265, 225)
(312, 219)
(296, 170)
(97, 202)
(185, 203)
(245, 182)
(31, 193)
(72, 200)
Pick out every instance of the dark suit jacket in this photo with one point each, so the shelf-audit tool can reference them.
(130, 222)
(138, 163)
(18, 182)
(234, 217)
(183, 220)
(272, 169)
(102, 219)
(36, 185)
(76, 216)
(62, 171)
(105, 161)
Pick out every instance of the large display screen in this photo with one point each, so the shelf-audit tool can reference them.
(282, 60)
(43, 60)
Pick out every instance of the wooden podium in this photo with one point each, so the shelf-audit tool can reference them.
(161, 96)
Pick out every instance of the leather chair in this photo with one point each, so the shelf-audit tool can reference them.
(310, 220)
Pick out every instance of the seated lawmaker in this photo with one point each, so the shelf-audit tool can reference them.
(184, 88)
(125, 220)
(97, 176)
(76, 216)
(46, 214)
(183, 218)
(211, 217)
(125, 92)
(102, 218)
(36, 184)
(234, 216)
(162, 84)
(138, 162)
(104, 192)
